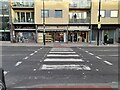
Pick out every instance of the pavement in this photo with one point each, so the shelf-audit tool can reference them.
(54, 44)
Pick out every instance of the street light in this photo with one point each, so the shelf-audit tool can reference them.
(99, 24)
(43, 22)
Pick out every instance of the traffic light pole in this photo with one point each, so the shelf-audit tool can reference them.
(99, 24)
(43, 22)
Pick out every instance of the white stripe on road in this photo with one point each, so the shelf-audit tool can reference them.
(91, 53)
(66, 67)
(26, 57)
(62, 52)
(58, 55)
(5, 72)
(108, 63)
(31, 54)
(35, 51)
(18, 63)
(98, 57)
(110, 55)
(86, 51)
(34, 69)
(105, 50)
(64, 60)
(61, 49)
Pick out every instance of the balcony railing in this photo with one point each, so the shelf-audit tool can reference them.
(80, 5)
(79, 20)
(22, 21)
(22, 4)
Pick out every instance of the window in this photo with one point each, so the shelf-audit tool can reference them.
(102, 13)
(107, 13)
(28, 18)
(114, 14)
(83, 15)
(46, 13)
(24, 17)
(58, 13)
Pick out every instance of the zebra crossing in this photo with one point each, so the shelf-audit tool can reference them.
(64, 59)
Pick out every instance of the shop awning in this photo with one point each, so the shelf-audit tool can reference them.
(80, 28)
(25, 29)
(51, 29)
(4, 30)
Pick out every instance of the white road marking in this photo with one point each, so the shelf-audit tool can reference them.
(34, 69)
(108, 63)
(35, 51)
(64, 60)
(88, 61)
(86, 51)
(62, 52)
(66, 67)
(110, 55)
(35, 78)
(98, 57)
(61, 49)
(5, 72)
(91, 53)
(97, 70)
(39, 48)
(26, 57)
(31, 54)
(82, 49)
(18, 63)
(105, 50)
(58, 55)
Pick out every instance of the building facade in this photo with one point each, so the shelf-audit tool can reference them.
(4, 21)
(65, 20)
(110, 15)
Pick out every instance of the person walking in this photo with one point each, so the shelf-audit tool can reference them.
(105, 39)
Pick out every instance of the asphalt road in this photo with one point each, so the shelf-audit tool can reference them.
(29, 67)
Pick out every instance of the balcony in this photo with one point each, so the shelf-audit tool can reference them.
(23, 5)
(79, 21)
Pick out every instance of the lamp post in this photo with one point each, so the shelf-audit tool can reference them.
(99, 24)
(43, 22)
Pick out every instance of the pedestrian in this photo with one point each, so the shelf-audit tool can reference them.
(105, 39)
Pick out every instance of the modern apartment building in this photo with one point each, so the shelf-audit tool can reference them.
(4, 21)
(65, 20)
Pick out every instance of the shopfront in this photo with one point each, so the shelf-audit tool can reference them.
(25, 36)
(110, 31)
(73, 34)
